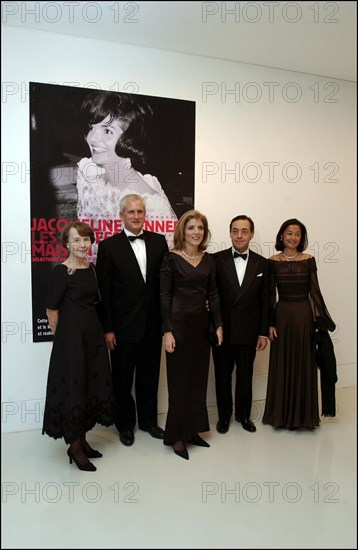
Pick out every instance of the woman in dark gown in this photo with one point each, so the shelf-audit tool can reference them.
(187, 283)
(292, 390)
(79, 386)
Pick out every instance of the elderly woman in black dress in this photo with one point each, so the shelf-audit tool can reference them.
(79, 386)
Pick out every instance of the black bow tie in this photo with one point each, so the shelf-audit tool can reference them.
(237, 255)
(134, 237)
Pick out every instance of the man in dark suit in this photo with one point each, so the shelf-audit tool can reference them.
(243, 283)
(128, 270)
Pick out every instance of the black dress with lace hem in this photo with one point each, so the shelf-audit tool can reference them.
(292, 389)
(79, 386)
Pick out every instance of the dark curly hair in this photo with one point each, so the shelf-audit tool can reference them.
(134, 117)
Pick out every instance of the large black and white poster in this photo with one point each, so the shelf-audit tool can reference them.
(89, 148)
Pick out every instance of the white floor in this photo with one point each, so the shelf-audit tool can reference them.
(271, 489)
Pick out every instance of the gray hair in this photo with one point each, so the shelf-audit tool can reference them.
(131, 197)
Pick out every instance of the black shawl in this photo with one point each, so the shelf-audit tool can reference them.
(326, 362)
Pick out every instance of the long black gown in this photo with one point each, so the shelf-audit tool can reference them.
(292, 389)
(184, 290)
(79, 387)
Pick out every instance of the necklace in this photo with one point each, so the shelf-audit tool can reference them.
(191, 257)
(290, 257)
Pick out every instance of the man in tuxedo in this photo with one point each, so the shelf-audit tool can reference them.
(243, 283)
(128, 270)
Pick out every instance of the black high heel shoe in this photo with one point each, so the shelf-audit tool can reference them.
(89, 452)
(183, 453)
(199, 441)
(92, 453)
(85, 467)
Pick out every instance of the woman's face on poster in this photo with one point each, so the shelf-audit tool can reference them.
(102, 138)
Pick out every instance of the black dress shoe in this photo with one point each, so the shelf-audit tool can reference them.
(127, 437)
(247, 424)
(199, 441)
(222, 426)
(154, 431)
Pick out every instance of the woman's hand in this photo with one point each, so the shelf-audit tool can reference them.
(272, 333)
(52, 316)
(169, 342)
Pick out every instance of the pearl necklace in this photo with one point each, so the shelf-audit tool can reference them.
(290, 257)
(191, 257)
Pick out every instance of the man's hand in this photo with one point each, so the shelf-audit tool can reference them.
(261, 343)
(220, 335)
(111, 340)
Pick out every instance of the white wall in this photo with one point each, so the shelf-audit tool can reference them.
(305, 124)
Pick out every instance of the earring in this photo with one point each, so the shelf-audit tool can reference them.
(68, 246)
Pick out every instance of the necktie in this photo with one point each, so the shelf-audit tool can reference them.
(134, 237)
(237, 255)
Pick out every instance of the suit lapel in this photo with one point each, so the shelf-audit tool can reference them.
(231, 270)
(149, 249)
(249, 273)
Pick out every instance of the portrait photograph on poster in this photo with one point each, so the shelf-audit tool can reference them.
(88, 149)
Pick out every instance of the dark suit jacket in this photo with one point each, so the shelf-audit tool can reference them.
(131, 306)
(245, 308)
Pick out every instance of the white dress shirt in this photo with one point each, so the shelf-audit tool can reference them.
(140, 252)
(240, 264)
